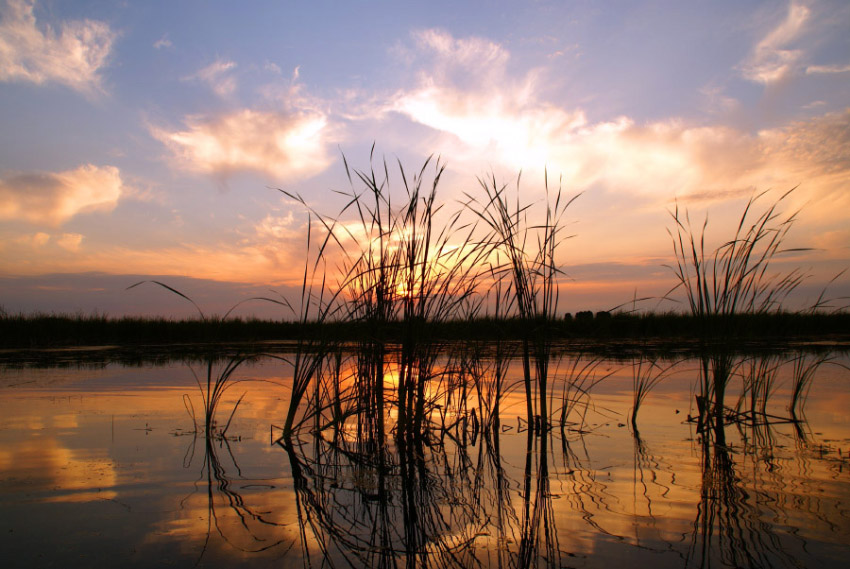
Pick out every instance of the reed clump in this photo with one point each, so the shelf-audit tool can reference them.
(530, 263)
(398, 268)
(730, 285)
(405, 270)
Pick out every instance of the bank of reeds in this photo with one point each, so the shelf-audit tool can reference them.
(157, 338)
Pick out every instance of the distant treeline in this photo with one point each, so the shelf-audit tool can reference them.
(57, 331)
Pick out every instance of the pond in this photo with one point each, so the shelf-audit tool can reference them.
(114, 464)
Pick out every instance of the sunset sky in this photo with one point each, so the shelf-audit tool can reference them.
(145, 139)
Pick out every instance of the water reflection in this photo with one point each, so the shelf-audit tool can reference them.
(242, 520)
(445, 505)
(754, 489)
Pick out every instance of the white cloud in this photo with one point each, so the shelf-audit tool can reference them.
(827, 69)
(53, 198)
(276, 227)
(466, 91)
(73, 55)
(471, 57)
(773, 58)
(275, 68)
(280, 145)
(162, 42)
(815, 154)
(218, 76)
(500, 122)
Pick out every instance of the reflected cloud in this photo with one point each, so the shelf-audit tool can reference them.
(65, 475)
(72, 54)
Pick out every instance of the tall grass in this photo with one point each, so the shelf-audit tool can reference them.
(647, 373)
(397, 264)
(530, 251)
(213, 386)
(733, 279)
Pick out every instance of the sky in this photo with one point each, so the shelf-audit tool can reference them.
(147, 140)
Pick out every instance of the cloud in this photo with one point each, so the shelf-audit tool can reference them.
(54, 198)
(466, 90)
(35, 240)
(827, 69)
(281, 145)
(496, 117)
(501, 121)
(814, 153)
(773, 58)
(469, 60)
(70, 241)
(162, 42)
(217, 76)
(72, 56)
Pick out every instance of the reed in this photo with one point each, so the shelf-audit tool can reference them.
(735, 278)
(213, 386)
(732, 280)
(804, 366)
(530, 257)
(579, 376)
(759, 380)
(647, 373)
(310, 352)
(399, 265)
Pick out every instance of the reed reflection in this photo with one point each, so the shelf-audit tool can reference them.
(416, 505)
(413, 506)
(749, 494)
(370, 492)
(242, 518)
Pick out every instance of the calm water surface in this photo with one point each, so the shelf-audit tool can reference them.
(110, 467)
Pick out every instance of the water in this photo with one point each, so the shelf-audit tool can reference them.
(109, 466)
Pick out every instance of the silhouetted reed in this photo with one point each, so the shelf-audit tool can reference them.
(804, 367)
(578, 377)
(399, 266)
(214, 383)
(530, 252)
(731, 280)
(646, 374)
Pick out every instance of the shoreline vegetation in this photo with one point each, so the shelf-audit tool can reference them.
(56, 331)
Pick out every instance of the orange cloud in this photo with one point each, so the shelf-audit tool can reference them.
(52, 199)
(280, 145)
(73, 56)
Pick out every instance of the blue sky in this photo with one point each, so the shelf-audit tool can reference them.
(143, 139)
